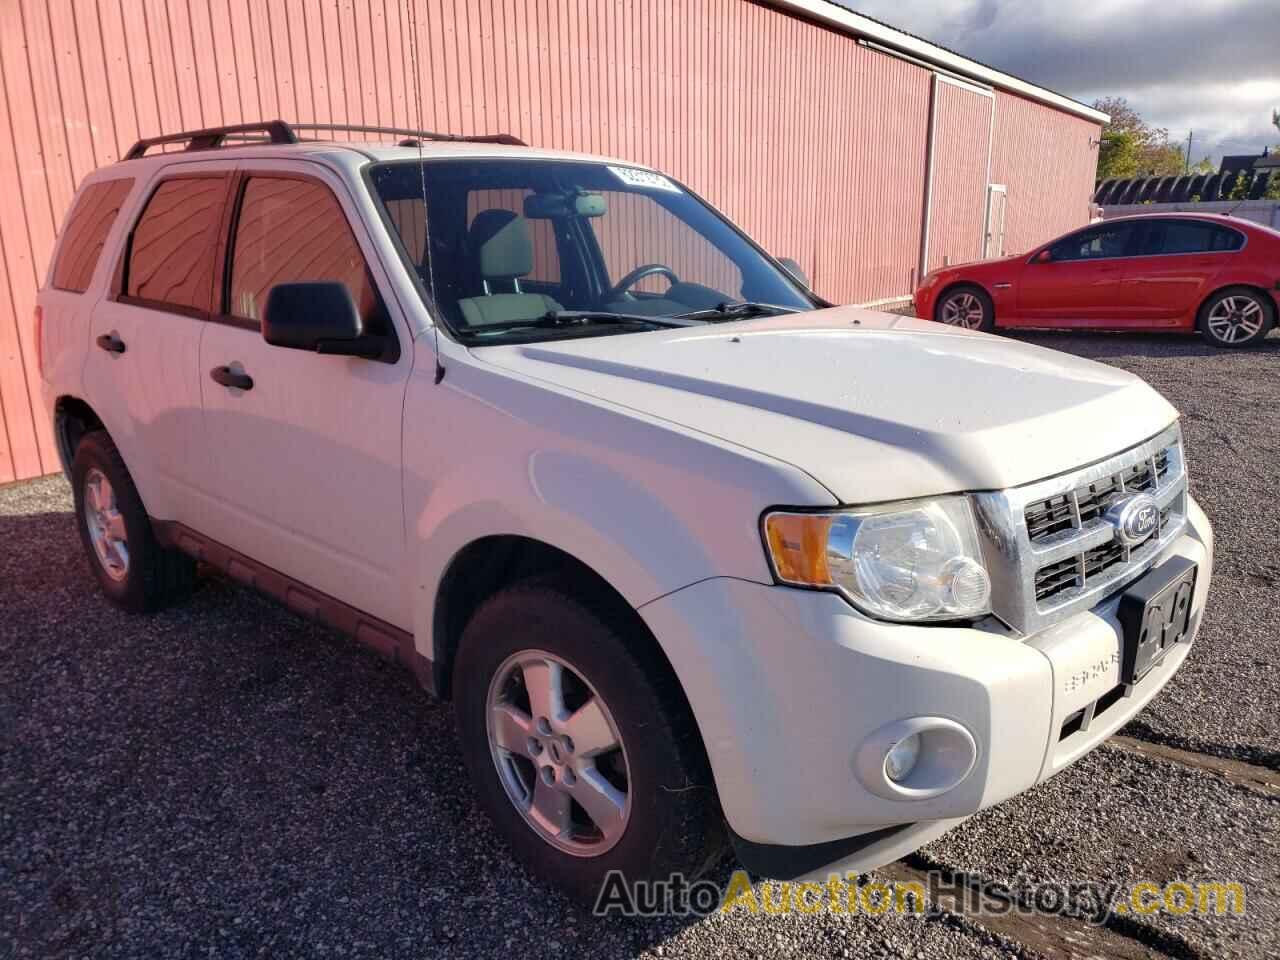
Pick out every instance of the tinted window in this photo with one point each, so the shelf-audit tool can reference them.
(500, 244)
(295, 231)
(1104, 240)
(542, 234)
(86, 231)
(638, 230)
(1224, 238)
(1189, 236)
(171, 258)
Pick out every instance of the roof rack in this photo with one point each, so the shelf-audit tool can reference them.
(278, 131)
(416, 135)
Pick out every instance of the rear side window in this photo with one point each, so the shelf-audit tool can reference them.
(1224, 238)
(1189, 236)
(174, 244)
(86, 231)
(294, 231)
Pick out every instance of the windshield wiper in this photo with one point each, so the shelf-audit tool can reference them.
(737, 310)
(561, 319)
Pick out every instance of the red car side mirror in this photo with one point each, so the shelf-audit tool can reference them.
(1044, 256)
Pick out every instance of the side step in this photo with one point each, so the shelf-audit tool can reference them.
(389, 641)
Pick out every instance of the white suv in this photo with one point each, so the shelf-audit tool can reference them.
(698, 558)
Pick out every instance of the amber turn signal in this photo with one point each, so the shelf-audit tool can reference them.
(798, 545)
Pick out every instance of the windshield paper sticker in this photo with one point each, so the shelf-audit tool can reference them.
(644, 179)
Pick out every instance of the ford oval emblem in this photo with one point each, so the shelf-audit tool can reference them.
(1135, 518)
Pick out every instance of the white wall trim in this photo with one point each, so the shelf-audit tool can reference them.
(884, 301)
(980, 89)
(928, 180)
(825, 11)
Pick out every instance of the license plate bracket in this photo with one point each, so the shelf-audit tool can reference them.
(1155, 613)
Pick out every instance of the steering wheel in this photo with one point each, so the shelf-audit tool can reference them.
(619, 289)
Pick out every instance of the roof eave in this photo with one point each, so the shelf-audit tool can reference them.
(828, 13)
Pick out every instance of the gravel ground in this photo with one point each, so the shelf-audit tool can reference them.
(1122, 818)
(224, 779)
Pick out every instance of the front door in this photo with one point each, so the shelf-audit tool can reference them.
(305, 463)
(1079, 282)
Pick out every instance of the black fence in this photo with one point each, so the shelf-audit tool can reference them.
(1205, 187)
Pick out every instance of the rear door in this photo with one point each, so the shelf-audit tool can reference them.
(141, 370)
(1079, 285)
(304, 466)
(1176, 263)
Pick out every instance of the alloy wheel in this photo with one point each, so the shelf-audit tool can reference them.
(1235, 319)
(106, 525)
(558, 753)
(962, 309)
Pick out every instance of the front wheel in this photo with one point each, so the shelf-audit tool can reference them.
(1236, 317)
(967, 307)
(583, 754)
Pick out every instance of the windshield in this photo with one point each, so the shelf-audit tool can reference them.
(533, 249)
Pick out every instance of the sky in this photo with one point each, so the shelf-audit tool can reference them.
(1212, 66)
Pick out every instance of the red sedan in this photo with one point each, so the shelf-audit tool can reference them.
(1168, 271)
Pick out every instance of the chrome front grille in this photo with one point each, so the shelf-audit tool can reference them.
(1050, 548)
(1052, 514)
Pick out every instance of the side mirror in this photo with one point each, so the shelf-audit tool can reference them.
(793, 268)
(1044, 256)
(318, 316)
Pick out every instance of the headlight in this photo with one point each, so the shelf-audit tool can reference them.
(905, 561)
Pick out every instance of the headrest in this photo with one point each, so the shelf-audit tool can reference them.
(500, 241)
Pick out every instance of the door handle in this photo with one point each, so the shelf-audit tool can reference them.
(229, 378)
(111, 343)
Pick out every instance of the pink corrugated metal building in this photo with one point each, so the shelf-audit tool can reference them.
(863, 152)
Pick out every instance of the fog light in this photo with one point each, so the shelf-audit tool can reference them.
(901, 758)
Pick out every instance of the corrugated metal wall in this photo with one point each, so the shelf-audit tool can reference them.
(1047, 159)
(957, 204)
(813, 143)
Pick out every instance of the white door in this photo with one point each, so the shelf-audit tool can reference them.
(997, 200)
(142, 367)
(305, 464)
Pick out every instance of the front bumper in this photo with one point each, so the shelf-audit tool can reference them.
(788, 685)
(923, 301)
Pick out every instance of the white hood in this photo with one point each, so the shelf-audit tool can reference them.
(874, 406)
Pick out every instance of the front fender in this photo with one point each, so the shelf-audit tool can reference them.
(647, 506)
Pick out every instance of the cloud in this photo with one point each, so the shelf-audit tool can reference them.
(1208, 65)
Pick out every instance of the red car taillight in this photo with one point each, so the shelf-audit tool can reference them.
(39, 326)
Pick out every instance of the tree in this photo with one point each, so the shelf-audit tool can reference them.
(1117, 155)
(1240, 187)
(1273, 184)
(1138, 149)
(1164, 160)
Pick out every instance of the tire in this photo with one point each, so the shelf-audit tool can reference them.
(966, 306)
(671, 821)
(1236, 317)
(144, 576)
